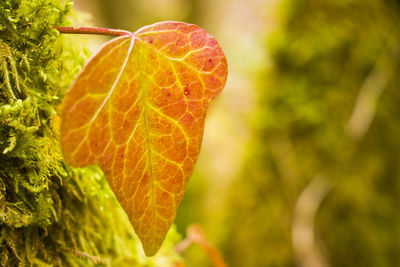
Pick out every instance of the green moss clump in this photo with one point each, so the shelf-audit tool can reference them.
(51, 215)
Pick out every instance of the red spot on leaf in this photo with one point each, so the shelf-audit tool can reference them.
(186, 90)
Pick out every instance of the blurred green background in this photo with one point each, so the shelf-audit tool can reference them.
(300, 159)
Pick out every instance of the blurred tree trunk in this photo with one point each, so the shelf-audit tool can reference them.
(327, 117)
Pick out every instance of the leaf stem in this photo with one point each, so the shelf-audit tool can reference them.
(92, 30)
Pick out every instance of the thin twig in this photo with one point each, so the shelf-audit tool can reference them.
(93, 30)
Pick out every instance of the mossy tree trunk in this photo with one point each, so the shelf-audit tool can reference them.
(50, 215)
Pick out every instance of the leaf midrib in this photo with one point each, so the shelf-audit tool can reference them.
(145, 107)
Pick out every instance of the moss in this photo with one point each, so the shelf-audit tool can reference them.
(50, 214)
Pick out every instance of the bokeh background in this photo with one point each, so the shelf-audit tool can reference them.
(300, 159)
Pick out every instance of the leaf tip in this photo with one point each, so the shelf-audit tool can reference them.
(151, 246)
(150, 251)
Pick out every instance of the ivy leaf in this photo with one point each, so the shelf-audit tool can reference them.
(137, 109)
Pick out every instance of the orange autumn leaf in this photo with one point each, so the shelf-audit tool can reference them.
(137, 109)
